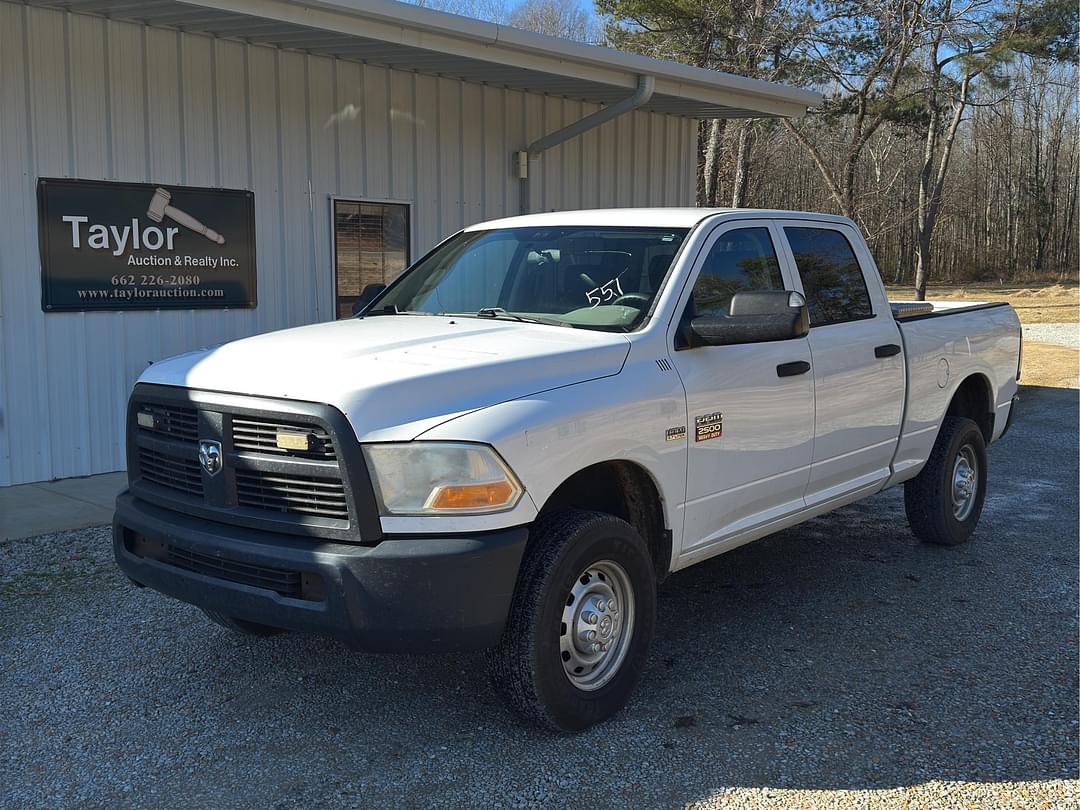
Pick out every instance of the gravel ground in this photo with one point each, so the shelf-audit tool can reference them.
(838, 664)
(1061, 334)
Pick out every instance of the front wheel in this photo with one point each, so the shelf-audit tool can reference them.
(580, 624)
(944, 501)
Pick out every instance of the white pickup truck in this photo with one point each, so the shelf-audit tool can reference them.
(509, 446)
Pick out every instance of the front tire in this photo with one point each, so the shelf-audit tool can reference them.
(580, 624)
(944, 501)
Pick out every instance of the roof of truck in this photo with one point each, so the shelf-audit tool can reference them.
(644, 217)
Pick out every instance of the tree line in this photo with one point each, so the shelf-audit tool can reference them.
(948, 129)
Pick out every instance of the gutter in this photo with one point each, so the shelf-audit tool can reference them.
(420, 27)
(529, 159)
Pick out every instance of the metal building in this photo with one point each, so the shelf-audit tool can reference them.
(363, 132)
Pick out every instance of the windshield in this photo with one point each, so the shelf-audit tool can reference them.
(593, 278)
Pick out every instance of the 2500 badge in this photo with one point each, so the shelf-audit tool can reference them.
(708, 426)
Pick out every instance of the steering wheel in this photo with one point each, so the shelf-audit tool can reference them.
(636, 300)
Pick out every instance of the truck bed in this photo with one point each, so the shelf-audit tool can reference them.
(945, 343)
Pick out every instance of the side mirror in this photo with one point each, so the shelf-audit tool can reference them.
(367, 295)
(756, 317)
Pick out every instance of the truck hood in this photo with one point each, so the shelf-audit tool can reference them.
(396, 376)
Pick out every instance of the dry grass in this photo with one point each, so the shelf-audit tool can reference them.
(1037, 303)
(1050, 366)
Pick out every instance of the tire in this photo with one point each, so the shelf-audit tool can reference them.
(242, 626)
(938, 510)
(545, 675)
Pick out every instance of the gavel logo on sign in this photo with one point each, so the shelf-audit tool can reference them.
(160, 208)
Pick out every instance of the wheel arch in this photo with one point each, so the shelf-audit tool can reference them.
(974, 399)
(627, 490)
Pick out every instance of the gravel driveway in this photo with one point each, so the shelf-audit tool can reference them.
(839, 656)
(1061, 334)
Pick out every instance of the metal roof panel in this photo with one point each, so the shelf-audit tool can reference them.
(427, 41)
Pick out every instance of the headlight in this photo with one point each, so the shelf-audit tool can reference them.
(440, 478)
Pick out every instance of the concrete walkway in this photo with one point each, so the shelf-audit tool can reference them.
(53, 506)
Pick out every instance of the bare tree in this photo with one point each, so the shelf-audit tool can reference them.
(951, 130)
(755, 38)
(496, 11)
(556, 18)
(861, 50)
(568, 19)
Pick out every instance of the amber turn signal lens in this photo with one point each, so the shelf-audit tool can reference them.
(472, 496)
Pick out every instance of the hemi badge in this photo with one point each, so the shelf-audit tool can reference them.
(290, 440)
(676, 433)
(145, 419)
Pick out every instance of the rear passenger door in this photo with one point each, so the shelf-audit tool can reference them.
(857, 359)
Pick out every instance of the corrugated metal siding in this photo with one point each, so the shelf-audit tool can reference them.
(82, 96)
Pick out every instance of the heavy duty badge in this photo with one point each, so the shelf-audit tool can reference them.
(708, 426)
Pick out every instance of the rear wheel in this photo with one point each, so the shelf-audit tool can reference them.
(580, 624)
(944, 502)
(242, 626)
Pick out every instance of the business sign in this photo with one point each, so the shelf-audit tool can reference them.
(107, 246)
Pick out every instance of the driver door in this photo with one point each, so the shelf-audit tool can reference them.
(750, 407)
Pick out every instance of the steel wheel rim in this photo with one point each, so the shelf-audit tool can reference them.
(965, 482)
(597, 625)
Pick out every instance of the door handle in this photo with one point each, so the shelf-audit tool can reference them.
(792, 369)
(888, 350)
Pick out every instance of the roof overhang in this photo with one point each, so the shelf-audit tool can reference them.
(407, 37)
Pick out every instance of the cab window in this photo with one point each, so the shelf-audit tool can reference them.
(741, 259)
(831, 277)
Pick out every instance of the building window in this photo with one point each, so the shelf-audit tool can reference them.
(371, 246)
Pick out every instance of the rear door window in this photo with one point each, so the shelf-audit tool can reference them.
(831, 277)
(741, 259)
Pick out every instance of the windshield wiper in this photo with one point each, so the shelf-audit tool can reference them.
(393, 310)
(499, 312)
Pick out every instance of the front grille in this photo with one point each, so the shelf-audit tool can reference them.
(261, 436)
(300, 488)
(180, 474)
(171, 420)
(286, 583)
(285, 492)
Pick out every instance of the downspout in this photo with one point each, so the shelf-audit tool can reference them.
(532, 154)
